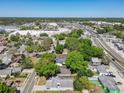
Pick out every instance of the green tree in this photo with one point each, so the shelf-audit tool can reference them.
(84, 72)
(46, 70)
(60, 36)
(15, 38)
(27, 63)
(72, 43)
(97, 52)
(76, 33)
(43, 34)
(75, 61)
(82, 83)
(59, 48)
(6, 89)
(46, 67)
(30, 49)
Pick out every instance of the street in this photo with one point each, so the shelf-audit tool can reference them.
(28, 87)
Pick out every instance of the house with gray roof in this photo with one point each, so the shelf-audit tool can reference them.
(102, 70)
(16, 70)
(6, 60)
(96, 61)
(22, 48)
(56, 83)
(2, 48)
(9, 71)
(5, 72)
(109, 84)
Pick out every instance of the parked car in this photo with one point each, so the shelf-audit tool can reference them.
(118, 83)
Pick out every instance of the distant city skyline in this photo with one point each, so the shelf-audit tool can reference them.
(61, 8)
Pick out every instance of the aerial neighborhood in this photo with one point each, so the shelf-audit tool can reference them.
(61, 56)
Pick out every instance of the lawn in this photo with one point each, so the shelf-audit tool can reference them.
(21, 78)
(34, 60)
(99, 87)
(41, 81)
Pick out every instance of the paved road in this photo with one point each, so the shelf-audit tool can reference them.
(28, 87)
(110, 52)
(106, 47)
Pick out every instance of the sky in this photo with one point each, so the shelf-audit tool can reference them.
(61, 8)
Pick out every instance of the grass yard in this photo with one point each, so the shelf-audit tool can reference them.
(99, 87)
(34, 60)
(20, 78)
(41, 81)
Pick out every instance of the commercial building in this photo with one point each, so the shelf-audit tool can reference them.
(109, 84)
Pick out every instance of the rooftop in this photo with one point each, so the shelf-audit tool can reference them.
(95, 59)
(64, 70)
(2, 48)
(108, 82)
(59, 83)
(5, 72)
(101, 69)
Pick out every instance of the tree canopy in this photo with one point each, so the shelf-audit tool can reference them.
(46, 67)
(59, 48)
(82, 83)
(6, 89)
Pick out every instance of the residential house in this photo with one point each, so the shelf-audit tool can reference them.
(9, 71)
(3, 41)
(5, 72)
(65, 72)
(2, 49)
(59, 84)
(6, 60)
(96, 61)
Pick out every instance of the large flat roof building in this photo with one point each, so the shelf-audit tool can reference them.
(109, 84)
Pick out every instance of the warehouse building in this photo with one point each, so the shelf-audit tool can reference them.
(109, 84)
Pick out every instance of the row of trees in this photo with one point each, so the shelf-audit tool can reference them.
(105, 30)
(83, 83)
(43, 44)
(84, 46)
(110, 29)
(46, 66)
(81, 51)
